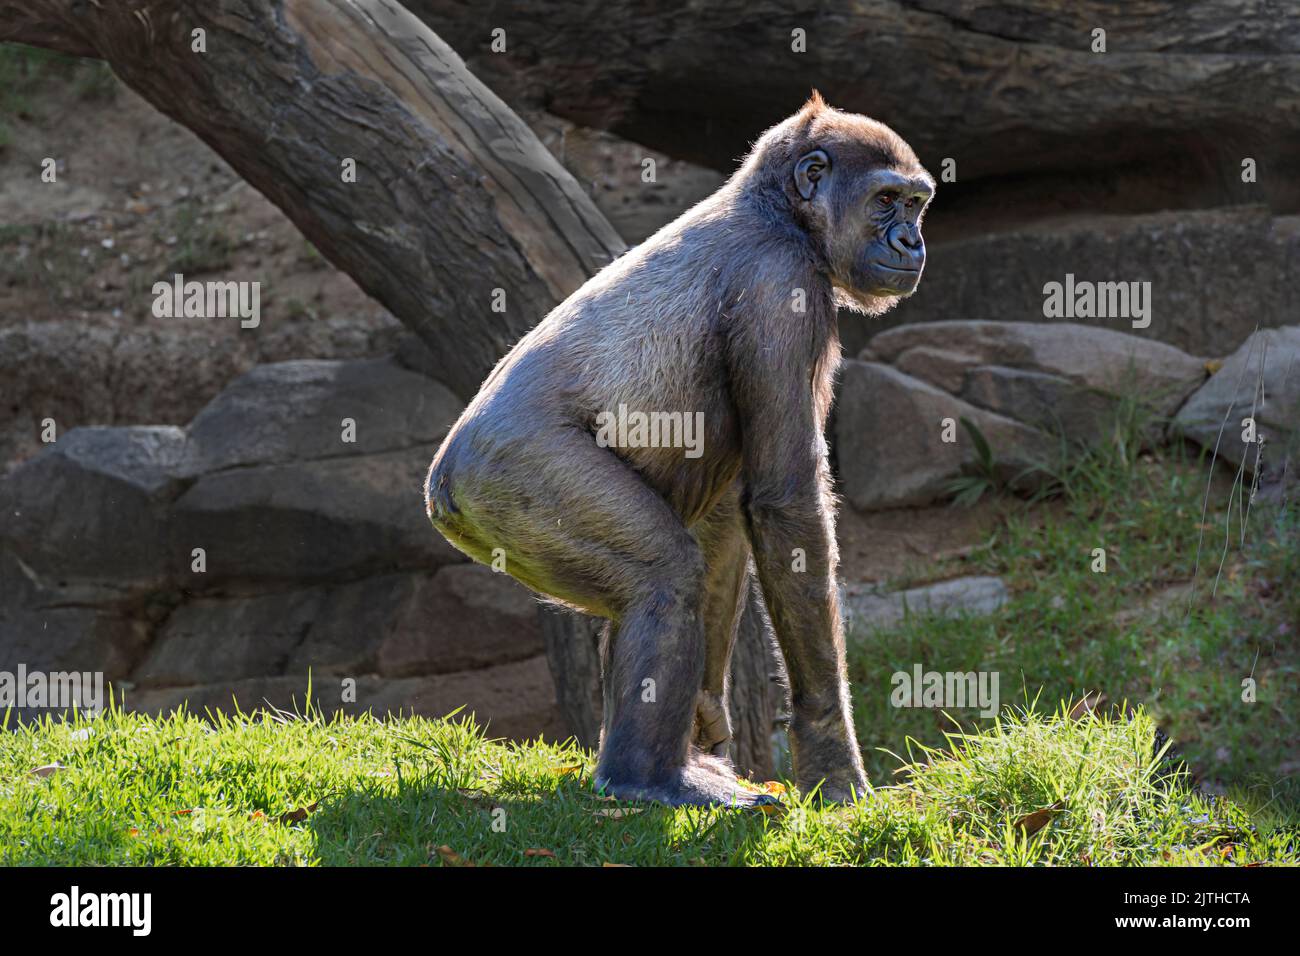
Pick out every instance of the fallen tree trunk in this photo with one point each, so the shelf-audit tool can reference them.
(454, 199)
(999, 86)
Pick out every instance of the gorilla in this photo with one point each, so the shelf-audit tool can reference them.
(726, 317)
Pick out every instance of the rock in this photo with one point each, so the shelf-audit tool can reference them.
(94, 506)
(309, 521)
(88, 372)
(70, 639)
(294, 411)
(1271, 359)
(1048, 402)
(888, 438)
(1027, 387)
(1252, 255)
(465, 616)
(1096, 358)
(516, 699)
(208, 640)
(970, 595)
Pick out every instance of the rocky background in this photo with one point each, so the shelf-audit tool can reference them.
(202, 529)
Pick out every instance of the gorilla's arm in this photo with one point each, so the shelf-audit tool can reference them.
(789, 515)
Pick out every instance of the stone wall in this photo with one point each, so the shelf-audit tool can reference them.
(279, 535)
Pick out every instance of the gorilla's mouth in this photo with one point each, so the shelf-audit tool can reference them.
(892, 280)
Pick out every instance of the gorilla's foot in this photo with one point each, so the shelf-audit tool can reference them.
(705, 781)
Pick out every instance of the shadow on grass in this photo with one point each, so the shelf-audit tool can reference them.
(438, 826)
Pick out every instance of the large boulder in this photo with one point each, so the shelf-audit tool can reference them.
(317, 557)
(1252, 255)
(209, 640)
(1095, 358)
(94, 507)
(1026, 387)
(82, 371)
(1262, 378)
(308, 521)
(295, 411)
(515, 699)
(463, 617)
(889, 441)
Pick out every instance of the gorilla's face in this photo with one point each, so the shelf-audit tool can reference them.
(869, 213)
(892, 251)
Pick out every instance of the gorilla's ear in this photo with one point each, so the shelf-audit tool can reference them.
(809, 171)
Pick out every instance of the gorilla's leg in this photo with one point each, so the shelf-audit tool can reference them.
(721, 535)
(578, 524)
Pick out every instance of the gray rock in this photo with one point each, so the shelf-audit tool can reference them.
(1269, 360)
(94, 505)
(888, 438)
(85, 372)
(1252, 255)
(516, 699)
(309, 521)
(70, 638)
(1096, 358)
(398, 625)
(1027, 388)
(294, 411)
(1054, 404)
(463, 617)
(868, 608)
(229, 639)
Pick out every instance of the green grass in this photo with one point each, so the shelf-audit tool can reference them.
(1067, 631)
(182, 790)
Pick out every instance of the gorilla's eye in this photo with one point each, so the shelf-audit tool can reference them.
(886, 199)
(911, 201)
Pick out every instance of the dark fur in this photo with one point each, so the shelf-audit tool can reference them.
(697, 318)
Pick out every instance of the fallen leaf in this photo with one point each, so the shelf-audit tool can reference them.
(567, 771)
(774, 809)
(293, 816)
(450, 857)
(182, 813)
(1087, 706)
(47, 770)
(257, 815)
(617, 813)
(1213, 365)
(133, 831)
(615, 864)
(549, 854)
(773, 787)
(1031, 823)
